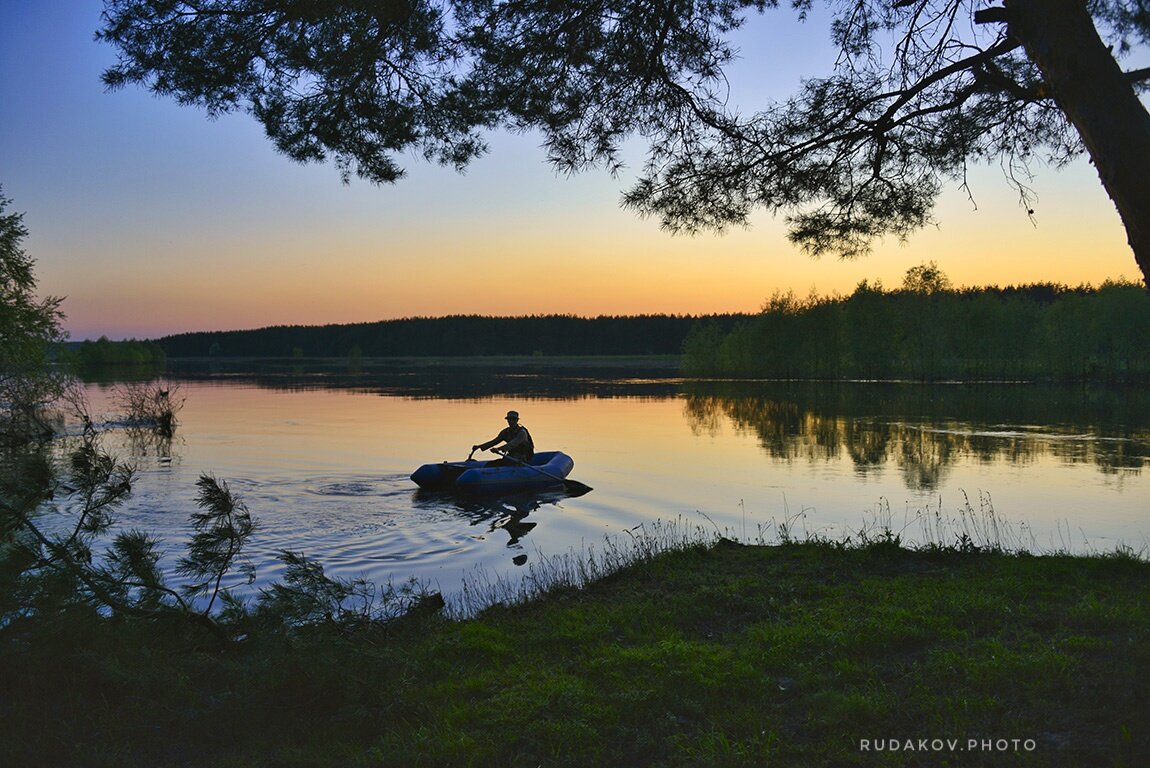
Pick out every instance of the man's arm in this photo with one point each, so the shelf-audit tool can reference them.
(498, 438)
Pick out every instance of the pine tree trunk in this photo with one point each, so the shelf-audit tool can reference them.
(1082, 76)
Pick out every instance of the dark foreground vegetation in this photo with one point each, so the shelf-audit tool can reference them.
(810, 654)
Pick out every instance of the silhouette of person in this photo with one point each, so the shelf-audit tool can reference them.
(517, 442)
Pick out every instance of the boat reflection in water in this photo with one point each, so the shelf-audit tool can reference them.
(506, 513)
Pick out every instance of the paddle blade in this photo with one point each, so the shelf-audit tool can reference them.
(576, 488)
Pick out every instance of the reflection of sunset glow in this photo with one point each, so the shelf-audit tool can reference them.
(327, 470)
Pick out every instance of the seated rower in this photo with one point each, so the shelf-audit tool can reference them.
(518, 447)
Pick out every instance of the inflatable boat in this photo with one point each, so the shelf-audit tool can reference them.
(544, 469)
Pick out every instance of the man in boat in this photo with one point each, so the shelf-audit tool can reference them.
(517, 446)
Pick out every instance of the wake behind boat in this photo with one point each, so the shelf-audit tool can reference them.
(548, 468)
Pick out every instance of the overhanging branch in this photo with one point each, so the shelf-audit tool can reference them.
(995, 15)
(1137, 75)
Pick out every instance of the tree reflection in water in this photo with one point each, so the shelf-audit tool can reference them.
(925, 429)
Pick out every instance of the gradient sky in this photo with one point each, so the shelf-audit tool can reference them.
(152, 219)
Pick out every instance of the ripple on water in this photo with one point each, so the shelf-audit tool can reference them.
(374, 528)
(390, 486)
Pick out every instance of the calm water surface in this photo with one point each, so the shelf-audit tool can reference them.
(322, 462)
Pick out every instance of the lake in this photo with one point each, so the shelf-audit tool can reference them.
(322, 458)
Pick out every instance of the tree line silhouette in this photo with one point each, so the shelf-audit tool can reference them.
(456, 335)
(104, 352)
(925, 330)
(928, 331)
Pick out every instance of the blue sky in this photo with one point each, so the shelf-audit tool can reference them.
(152, 219)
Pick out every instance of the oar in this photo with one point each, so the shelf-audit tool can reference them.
(571, 486)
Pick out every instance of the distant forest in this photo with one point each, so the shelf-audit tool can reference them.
(103, 352)
(923, 331)
(927, 331)
(458, 335)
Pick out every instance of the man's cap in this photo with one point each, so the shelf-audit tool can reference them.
(513, 415)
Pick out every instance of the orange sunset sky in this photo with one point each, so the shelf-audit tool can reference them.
(152, 219)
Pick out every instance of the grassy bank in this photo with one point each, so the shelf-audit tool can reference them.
(800, 654)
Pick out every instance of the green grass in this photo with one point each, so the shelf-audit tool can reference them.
(807, 654)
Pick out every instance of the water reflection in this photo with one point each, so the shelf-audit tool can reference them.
(922, 431)
(437, 378)
(507, 513)
(143, 443)
(325, 467)
(925, 430)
